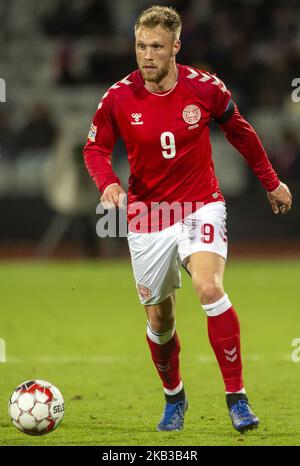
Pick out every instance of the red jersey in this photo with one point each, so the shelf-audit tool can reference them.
(167, 138)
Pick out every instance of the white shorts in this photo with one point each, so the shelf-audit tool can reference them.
(156, 257)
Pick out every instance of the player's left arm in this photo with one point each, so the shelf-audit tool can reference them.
(244, 138)
(280, 199)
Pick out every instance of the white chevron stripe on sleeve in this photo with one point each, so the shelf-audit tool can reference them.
(205, 77)
(126, 81)
(193, 74)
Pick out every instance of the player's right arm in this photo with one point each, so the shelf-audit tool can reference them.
(111, 196)
(98, 149)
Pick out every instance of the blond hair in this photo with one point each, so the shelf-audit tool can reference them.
(164, 16)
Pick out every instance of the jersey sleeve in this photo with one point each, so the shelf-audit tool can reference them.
(99, 147)
(244, 138)
(219, 96)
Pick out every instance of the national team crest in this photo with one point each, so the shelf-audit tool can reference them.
(191, 114)
(92, 133)
(144, 292)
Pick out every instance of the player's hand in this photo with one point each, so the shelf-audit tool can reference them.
(280, 199)
(113, 196)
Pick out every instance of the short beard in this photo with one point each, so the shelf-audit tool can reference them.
(159, 77)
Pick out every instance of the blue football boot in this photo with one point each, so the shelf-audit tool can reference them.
(173, 416)
(241, 416)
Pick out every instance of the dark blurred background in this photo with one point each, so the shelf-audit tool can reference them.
(58, 58)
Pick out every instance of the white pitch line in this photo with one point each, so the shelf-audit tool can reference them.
(98, 359)
(206, 358)
(109, 359)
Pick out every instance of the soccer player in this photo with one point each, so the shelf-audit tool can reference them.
(162, 112)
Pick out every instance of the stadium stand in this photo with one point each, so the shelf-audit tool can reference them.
(63, 55)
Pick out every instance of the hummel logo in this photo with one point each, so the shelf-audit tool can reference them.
(162, 368)
(136, 117)
(231, 353)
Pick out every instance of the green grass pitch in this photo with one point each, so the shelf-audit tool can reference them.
(81, 327)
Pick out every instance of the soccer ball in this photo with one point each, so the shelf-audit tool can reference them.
(36, 407)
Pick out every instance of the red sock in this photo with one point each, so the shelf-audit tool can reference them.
(224, 337)
(166, 359)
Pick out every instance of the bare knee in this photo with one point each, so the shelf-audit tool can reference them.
(209, 290)
(161, 317)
